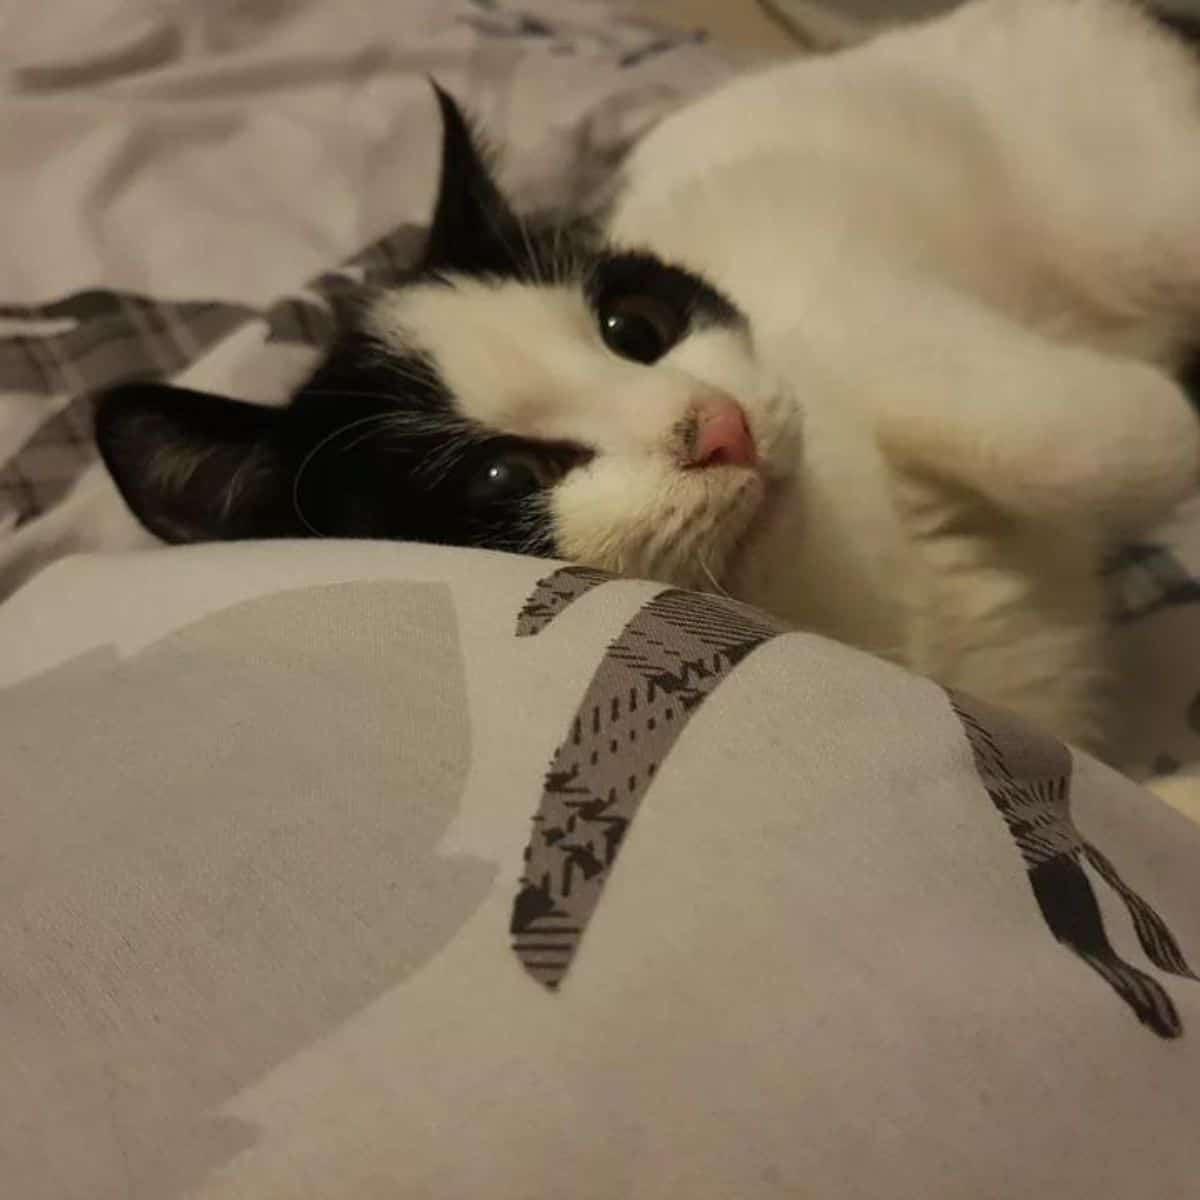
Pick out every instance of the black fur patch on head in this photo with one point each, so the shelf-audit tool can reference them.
(1184, 25)
(379, 450)
(618, 274)
(476, 232)
(1189, 378)
(372, 446)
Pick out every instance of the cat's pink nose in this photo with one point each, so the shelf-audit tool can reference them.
(722, 437)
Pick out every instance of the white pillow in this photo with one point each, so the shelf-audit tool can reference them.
(266, 811)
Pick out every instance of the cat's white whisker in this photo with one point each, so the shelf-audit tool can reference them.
(352, 394)
(311, 456)
(437, 466)
(534, 267)
(712, 579)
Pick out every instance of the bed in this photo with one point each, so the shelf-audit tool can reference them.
(336, 870)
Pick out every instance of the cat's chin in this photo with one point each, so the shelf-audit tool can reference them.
(743, 511)
(698, 540)
(733, 503)
(679, 528)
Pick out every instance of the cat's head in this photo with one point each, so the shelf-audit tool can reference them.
(526, 388)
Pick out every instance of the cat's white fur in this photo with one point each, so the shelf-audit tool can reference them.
(969, 254)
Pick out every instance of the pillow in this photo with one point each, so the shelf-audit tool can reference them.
(362, 870)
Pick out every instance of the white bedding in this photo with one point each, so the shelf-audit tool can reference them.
(276, 923)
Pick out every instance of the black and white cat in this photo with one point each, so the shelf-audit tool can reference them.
(887, 343)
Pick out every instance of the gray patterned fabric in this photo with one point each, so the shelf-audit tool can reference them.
(255, 924)
(1028, 776)
(673, 654)
(121, 1036)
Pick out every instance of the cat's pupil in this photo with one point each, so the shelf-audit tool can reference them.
(641, 328)
(508, 476)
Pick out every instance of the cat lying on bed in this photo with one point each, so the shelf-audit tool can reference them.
(887, 343)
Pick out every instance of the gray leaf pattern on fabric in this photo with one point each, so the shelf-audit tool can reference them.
(674, 652)
(554, 593)
(1028, 775)
(238, 848)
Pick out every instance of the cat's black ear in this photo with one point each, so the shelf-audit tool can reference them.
(473, 225)
(195, 467)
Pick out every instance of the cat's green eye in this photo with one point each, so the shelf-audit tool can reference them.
(509, 475)
(640, 327)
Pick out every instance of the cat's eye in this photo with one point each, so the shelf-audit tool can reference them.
(508, 475)
(640, 327)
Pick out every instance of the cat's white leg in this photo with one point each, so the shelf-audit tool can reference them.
(1016, 462)
(1063, 436)
(995, 608)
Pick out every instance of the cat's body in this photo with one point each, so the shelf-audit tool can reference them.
(885, 343)
(972, 249)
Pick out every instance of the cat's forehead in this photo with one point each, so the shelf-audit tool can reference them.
(511, 355)
(492, 317)
(513, 350)
(550, 302)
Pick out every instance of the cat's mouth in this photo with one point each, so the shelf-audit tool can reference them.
(697, 534)
(681, 518)
(738, 459)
